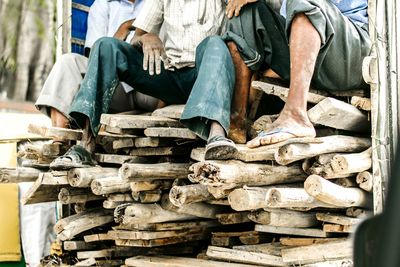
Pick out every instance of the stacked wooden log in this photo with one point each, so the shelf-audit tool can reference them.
(154, 201)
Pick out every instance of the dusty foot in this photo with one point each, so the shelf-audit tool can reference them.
(287, 126)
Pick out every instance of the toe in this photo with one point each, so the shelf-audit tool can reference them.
(254, 143)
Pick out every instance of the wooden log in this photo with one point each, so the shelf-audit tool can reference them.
(361, 103)
(220, 192)
(336, 195)
(220, 173)
(152, 213)
(292, 197)
(330, 144)
(233, 218)
(137, 121)
(318, 252)
(282, 92)
(251, 198)
(261, 124)
(170, 111)
(76, 195)
(111, 205)
(365, 181)
(80, 207)
(163, 241)
(358, 212)
(326, 171)
(18, 175)
(83, 177)
(284, 218)
(337, 219)
(345, 182)
(150, 185)
(165, 261)
(114, 200)
(164, 132)
(313, 232)
(84, 221)
(198, 209)
(244, 256)
(77, 245)
(55, 132)
(306, 241)
(109, 185)
(352, 163)
(145, 172)
(330, 112)
(183, 195)
(147, 196)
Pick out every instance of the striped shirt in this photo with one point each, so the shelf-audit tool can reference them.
(185, 24)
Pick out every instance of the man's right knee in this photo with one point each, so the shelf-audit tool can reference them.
(106, 43)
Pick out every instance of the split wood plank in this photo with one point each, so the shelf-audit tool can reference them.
(335, 263)
(171, 111)
(52, 132)
(78, 245)
(140, 172)
(121, 159)
(152, 142)
(164, 132)
(283, 92)
(318, 252)
(233, 218)
(97, 237)
(337, 228)
(161, 151)
(163, 241)
(361, 103)
(146, 235)
(87, 262)
(337, 219)
(123, 143)
(302, 241)
(273, 249)
(165, 261)
(45, 189)
(137, 121)
(331, 112)
(123, 132)
(330, 144)
(174, 226)
(18, 175)
(243, 256)
(313, 232)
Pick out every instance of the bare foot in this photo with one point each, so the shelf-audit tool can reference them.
(287, 126)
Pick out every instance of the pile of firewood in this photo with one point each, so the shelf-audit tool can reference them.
(154, 201)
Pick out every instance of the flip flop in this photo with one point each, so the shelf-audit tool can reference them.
(275, 131)
(75, 157)
(220, 148)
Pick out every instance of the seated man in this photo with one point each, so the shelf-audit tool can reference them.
(106, 18)
(322, 43)
(196, 70)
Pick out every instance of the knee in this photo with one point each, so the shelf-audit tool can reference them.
(105, 43)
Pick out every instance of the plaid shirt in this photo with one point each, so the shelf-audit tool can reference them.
(185, 24)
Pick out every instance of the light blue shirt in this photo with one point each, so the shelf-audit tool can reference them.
(355, 10)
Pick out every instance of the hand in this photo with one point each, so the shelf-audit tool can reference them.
(123, 30)
(234, 7)
(153, 50)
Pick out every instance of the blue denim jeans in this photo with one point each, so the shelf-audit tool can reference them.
(207, 89)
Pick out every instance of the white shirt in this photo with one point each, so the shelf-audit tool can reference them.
(105, 17)
(185, 23)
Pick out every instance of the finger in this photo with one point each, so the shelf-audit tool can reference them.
(157, 56)
(229, 9)
(151, 62)
(145, 58)
(237, 10)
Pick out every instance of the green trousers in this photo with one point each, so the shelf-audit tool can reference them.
(262, 37)
(207, 89)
